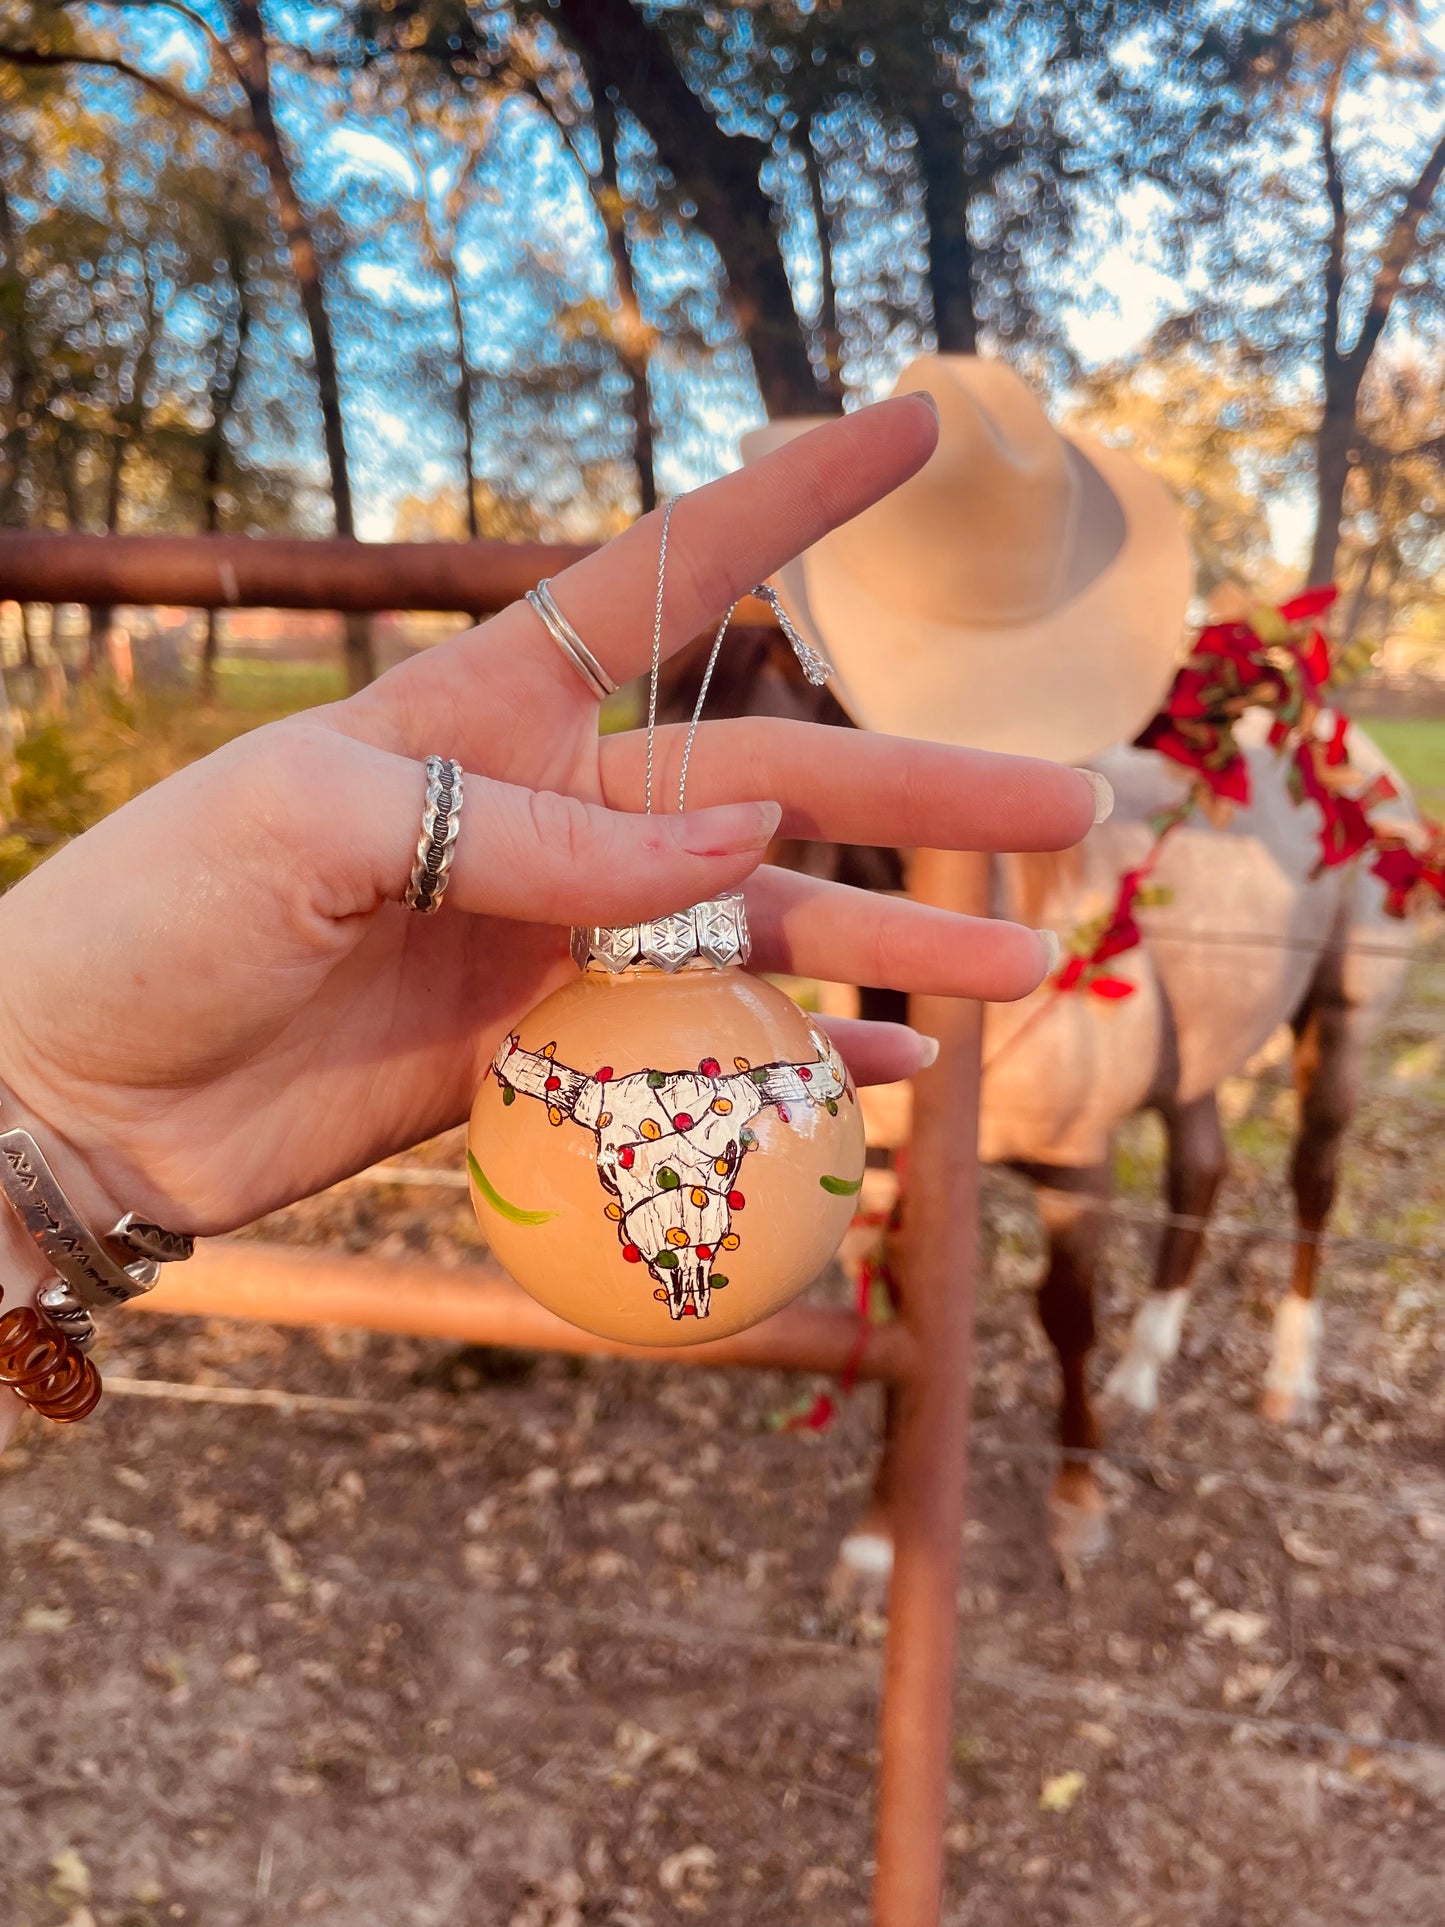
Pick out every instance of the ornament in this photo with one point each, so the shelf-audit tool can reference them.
(666, 1149)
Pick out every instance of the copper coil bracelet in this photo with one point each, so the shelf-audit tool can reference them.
(43, 1346)
(46, 1369)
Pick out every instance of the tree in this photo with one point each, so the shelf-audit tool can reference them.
(238, 100)
(1334, 231)
(1208, 420)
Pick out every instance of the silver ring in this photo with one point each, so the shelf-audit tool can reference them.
(569, 642)
(437, 845)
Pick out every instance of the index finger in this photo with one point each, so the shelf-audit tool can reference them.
(723, 539)
(733, 533)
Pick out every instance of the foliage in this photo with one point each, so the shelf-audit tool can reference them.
(526, 260)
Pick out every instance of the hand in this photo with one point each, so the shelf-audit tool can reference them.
(214, 1003)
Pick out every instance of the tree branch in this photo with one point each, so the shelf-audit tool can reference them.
(1339, 228)
(113, 63)
(1398, 252)
(202, 26)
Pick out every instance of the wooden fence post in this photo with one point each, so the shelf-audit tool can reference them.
(935, 1271)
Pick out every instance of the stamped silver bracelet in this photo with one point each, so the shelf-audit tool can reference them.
(91, 1273)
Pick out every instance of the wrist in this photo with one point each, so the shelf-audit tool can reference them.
(82, 1174)
(23, 1269)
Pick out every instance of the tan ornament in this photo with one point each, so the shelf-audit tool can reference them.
(669, 1149)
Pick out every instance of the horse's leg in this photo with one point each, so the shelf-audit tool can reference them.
(1327, 1062)
(1078, 1514)
(864, 1566)
(1196, 1170)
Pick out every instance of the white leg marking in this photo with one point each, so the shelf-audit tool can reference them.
(1153, 1342)
(869, 1552)
(1294, 1359)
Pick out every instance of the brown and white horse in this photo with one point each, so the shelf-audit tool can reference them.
(1251, 939)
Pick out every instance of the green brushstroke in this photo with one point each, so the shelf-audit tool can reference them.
(842, 1187)
(511, 1212)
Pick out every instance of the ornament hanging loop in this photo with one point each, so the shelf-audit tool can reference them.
(814, 665)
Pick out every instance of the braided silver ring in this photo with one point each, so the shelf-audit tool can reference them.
(568, 641)
(437, 844)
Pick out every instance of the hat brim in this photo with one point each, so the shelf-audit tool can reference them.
(1064, 684)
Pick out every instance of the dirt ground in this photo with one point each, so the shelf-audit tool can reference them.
(502, 1642)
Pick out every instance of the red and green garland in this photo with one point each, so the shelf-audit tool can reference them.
(1278, 660)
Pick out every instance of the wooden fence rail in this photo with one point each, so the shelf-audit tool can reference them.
(923, 1359)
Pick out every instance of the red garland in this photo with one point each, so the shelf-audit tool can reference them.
(1277, 660)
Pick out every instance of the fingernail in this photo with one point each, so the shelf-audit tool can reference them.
(1103, 794)
(1053, 950)
(924, 394)
(928, 1053)
(728, 830)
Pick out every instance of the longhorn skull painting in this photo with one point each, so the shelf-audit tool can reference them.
(670, 1149)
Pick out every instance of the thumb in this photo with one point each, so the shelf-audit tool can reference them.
(540, 857)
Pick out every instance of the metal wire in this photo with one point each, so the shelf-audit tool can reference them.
(1097, 1694)
(1146, 1216)
(280, 1399)
(656, 675)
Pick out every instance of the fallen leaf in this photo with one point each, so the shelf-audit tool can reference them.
(1097, 1734)
(45, 1619)
(697, 1864)
(1248, 1683)
(1241, 1629)
(1060, 1790)
(99, 1526)
(1303, 1550)
(72, 1876)
(817, 1881)
(634, 1743)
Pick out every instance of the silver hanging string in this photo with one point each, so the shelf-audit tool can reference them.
(814, 665)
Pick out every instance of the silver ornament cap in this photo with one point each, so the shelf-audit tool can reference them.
(709, 936)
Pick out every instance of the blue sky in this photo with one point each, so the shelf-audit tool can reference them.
(533, 256)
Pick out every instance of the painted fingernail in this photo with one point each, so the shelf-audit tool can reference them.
(1053, 950)
(928, 1051)
(728, 830)
(1103, 794)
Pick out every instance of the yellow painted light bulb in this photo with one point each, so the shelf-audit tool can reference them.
(664, 1154)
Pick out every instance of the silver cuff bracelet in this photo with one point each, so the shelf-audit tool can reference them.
(91, 1273)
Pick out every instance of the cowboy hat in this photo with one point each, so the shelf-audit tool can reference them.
(1025, 591)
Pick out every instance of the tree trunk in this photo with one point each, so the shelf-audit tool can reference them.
(718, 172)
(828, 293)
(210, 649)
(1334, 457)
(946, 193)
(253, 60)
(102, 615)
(633, 337)
(465, 417)
(30, 630)
(225, 386)
(23, 370)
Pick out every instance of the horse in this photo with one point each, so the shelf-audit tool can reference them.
(1247, 935)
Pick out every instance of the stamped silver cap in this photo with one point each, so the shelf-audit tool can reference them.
(709, 936)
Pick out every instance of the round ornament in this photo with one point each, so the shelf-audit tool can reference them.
(667, 1149)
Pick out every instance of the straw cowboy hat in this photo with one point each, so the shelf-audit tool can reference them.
(1025, 591)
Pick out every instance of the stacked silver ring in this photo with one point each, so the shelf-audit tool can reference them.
(437, 844)
(569, 642)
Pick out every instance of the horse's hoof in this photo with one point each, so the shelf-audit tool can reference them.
(1134, 1385)
(859, 1581)
(1078, 1530)
(1282, 1406)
